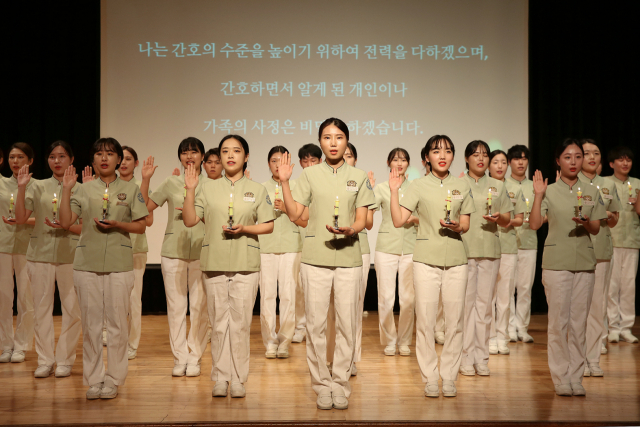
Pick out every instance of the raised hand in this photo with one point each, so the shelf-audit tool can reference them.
(191, 177)
(372, 179)
(176, 172)
(285, 169)
(539, 183)
(87, 174)
(247, 173)
(395, 182)
(557, 176)
(24, 176)
(70, 178)
(148, 169)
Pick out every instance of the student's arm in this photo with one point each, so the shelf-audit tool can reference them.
(294, 209)
(304, 219)
(148, 169)
(136, 227)
(369, 223)
(189, 216)
(399, 214)
(67, 217)
(539, 189)
(257, 229)
(517, 220)
(21, 212)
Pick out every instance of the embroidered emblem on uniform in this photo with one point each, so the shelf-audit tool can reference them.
(369, 185)
(268, 199)
(249, 197)
(352, 185)
(512, 195)
(122, 196)
(493, 190)
(588, 201)
(140, 198)
(455, 195)
(605, 190)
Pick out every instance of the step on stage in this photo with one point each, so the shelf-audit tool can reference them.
(387, 390)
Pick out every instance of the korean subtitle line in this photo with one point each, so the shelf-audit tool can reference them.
(309, 89)
(309, 127)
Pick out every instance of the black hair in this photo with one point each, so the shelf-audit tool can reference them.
(516, 152)
(398, 150)
(24, 147)
(353, 150)
(567, 142)
(495, 153)
(619, 152)
(60, 143)
(190, 144)
(211, 152)
(242, 141)
(309, 150)
(276, 149)
(584, 141)
(107, 144)
(130, 150)
(438, 141)
(335, 122)
(472, 147)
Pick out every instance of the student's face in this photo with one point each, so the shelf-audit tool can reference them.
(440, 157)
(349, 157)
(105, 161)
(498, 167)
(478, 161)
(17, 159)
(519, 165)
(570, 161)
(333, 143)
(309, 161)
(399, 162)
(592, 158)
(128, 164)
(191, 157)
(274, 164)
(233, 156)
(621, 166)
(213, 167)
(59, 161)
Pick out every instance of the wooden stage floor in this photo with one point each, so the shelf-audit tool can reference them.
(387, 389)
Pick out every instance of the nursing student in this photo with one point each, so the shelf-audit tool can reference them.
(14, 243)
(331, 258)
(394, 257)
(482, 242)
(235, 211)
(50, 261)
(111, 209)
(212, 164)
(180, 261)
(574, 210)
(443, 205)
(596, 330)
(505, 282)
(280, 253)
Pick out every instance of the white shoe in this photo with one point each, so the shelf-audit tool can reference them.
(467, 370)
(613, 337)
(109, 392)
(404, 350)
(220, 389)
(238, 390)
(6, 356)
(94, 391)
(493, 348)
(179, 371)
(390, 350)
(365, 313)
(431, 389)
(439, 337)
(503, 348)
(525, 337)
(564, 390)
(324, 401)
(449, 388)
(596, 370)
(628, 337)
(340, 401)
(283, 352)
(578, 390)
(587, 371)
(354, 370)
(63, 371)
(131, 353)
(298, 336)
(513, 337)
(482, 370)
(193, 371)
(43, 371)
(17, 356)
(603, 349)
(104, 338)
(272, 352)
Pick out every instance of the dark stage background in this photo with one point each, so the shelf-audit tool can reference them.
(581, 84)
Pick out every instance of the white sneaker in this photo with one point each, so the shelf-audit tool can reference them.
(131, 353)
(220, 389)
(482, 370)
(272, 352)
(613, 337)
(390, 350)
(17, 356)
(431, 389)
(525, 337)
(104, 337)
(354, 370)
(340, 401)
(596, 370)
(283, 352)
(94, 391)
(449, 388)
(238, 390)
(628, 337)
(193, 371)
(503, 348)
(6, 356)
(365, 313)
(43, 371)
(587, 371)
(404, 350)
(578, 390)
(63, 371)
(109, 392)
(324, 401)
(298, 336)
(493, 348)
(179, 371)
(603, 349)
(513, 337)
(564, 390)
(467, 370)
(439, 337)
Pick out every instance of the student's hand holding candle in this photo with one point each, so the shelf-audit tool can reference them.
(236, 229)
(48, 222)
(494, 217)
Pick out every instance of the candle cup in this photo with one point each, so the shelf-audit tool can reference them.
(230, 223)
(580, 213)
(335, 222)
(447, 219)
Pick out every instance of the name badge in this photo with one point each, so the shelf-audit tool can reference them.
(352, 188)
(494, 194)
(589, 203)
(122, 204)
(249, 199)
(607, 196)
(457, 197)
(514, 201)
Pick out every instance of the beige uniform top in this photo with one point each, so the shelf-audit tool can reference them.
(626, 233)
(14, 239)
(251, 205)
(602, 243)
(483, 239)
(508, 237)
(179, 242)
(392, 240)
(139, 241)
(436, 245)
(568, 246)
(106, 251)
(527, 238)
(286, 235)
(317, 188)
(53, 245)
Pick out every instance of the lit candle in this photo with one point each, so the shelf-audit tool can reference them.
(336, 207)
(527, 200)
(55, 203)
(231, 204)
(185, 192)
(277, 191)
(630, 189)
(579, 197)
(105, 199)
(448, 200)
(11, 204)
(489, 198)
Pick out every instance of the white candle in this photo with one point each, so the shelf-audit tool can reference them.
(55, 203)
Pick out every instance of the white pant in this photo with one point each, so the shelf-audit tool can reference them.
(598, 312)
(23, 338)
(440, 317)
(569, 297)
(182, 276)
(318, 283)
(477, 310)
(429, 283)
(621, 308)
(278, 273)
(43, 276)
(301, 320)
(135, 312)
(99, 295)
(366, 266)
(387, 266)
(230, 300)
(520, 314)
(505, 287)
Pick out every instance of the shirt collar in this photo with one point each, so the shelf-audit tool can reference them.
(512, 179)
(54, 180)
(336, 170)
(104, 184)
(615, 178)
(234, 183)
(583, 177)
(481, 180)
(437, 180)
(561, 182)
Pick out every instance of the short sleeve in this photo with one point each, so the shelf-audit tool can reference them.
(599, 211)
(615, 205)
(200, 203)
(76, 201)
(411, 198)
(468, 206)
(365, 195)
(138, 207)
(545, 206)
(264, 208)
(160, 196)
(378, 195)
(521, 203)
(302, 191)
(29, 196)
(505, 201)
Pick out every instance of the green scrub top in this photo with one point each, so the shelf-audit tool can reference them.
(14, 239)
(626, 233)
(527, 238)
(286, 236)
(392, 240)
(508, 237)
(139, 241)
(602, 242)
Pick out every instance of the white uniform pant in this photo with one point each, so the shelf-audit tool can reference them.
(135, 312)
(43, 276)
(366, 266)
(431, 281)
(104, 294)
(598, 312)
(23, 338)
(501, 305)
(569, 297)
(278, 273)
(481, 283)
(318, 283)
(182, 276)
(387, 266)
(520, 314)
(230, 300)
(621, 308)
(440, 317)
(301, 320)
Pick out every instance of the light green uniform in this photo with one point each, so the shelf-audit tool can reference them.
(436, 245)
(626, 233)
(14, 239)
(392, 240)
(527, 238)
(483, 239)
(106, 251)
(568, 246)
(286, 235)
(251, 205)
(317, 188)
(139, 241)
(508, 238)
(52, 245)
(179, 242)
(602, 243)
